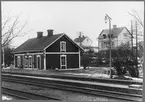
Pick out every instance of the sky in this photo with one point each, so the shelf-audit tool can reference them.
(71, 17)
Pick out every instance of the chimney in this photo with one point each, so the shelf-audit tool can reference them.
(114, 26)
(39, 34)
(50, 32)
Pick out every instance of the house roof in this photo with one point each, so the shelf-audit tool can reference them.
(38, 44)
(114, 31)
(80, 39)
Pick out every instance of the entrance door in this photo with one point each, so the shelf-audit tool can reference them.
(63, 62)
(38, 62)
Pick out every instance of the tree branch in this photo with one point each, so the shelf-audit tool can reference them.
(11, 29)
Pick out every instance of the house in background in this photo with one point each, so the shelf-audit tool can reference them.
(119, 35)
(48, 52)
(84, 41)
(94, 49)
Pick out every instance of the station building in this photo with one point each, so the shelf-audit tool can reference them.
(54, 51)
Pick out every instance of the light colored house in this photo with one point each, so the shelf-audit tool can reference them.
(119, 35)
(94, 49)
(84, 42)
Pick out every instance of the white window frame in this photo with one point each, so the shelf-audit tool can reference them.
(26, 62)
(30, 62)
(64, 47)
(18, 61)
(37, 61)
(65, 61)
(105, 36)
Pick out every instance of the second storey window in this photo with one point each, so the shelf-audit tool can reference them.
(62, 46)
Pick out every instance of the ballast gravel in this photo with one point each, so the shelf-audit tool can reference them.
(61, 94)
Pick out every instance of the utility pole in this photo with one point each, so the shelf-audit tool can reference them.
(110, 42)
(80, 38)
(0, 43)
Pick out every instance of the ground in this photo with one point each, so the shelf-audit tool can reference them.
(96, 72)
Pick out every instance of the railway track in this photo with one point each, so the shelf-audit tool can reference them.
(78, 86)
(80, 78)
(25, 95)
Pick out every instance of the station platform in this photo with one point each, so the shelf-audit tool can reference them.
(97, 72)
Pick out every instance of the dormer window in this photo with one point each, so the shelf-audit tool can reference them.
(111, 35)
(104, 35)
(62, 46)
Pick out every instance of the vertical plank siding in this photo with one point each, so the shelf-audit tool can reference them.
(52, 61)
(73, 61)
(70, 47)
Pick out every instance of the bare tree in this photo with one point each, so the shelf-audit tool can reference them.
(11, 28)
(137, 17)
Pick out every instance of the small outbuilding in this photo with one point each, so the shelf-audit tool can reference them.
(48, 52)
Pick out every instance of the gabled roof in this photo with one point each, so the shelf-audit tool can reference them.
(39, 44)
(36, 44)
(114, 31)
(82, 49)
(80, 39)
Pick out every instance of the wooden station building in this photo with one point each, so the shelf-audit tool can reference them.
(48, 52)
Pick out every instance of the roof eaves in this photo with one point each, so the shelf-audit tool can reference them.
(24, 51)
(100, 33)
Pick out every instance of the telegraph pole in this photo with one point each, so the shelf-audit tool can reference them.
(80, 38)
(110, 42)
(132, 40)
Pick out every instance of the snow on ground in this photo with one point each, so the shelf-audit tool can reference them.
(4, 97)
(91, 75)
(98, 72)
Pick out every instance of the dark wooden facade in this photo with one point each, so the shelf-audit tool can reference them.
(51, 56)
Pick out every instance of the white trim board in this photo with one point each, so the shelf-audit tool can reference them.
(65, 56)
(79, 59)
(73, 42)
(62, 52)
(67, 38)
(29, 54)
(49, 53)
(53, 42)
(44, 60)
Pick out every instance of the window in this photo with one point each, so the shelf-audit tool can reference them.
(112, 35)
(63, 62)
(18, 61)
(104, 36)
(30, 61)
(102, 45)
(38, 62)
(63, 46)
(26, 61)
